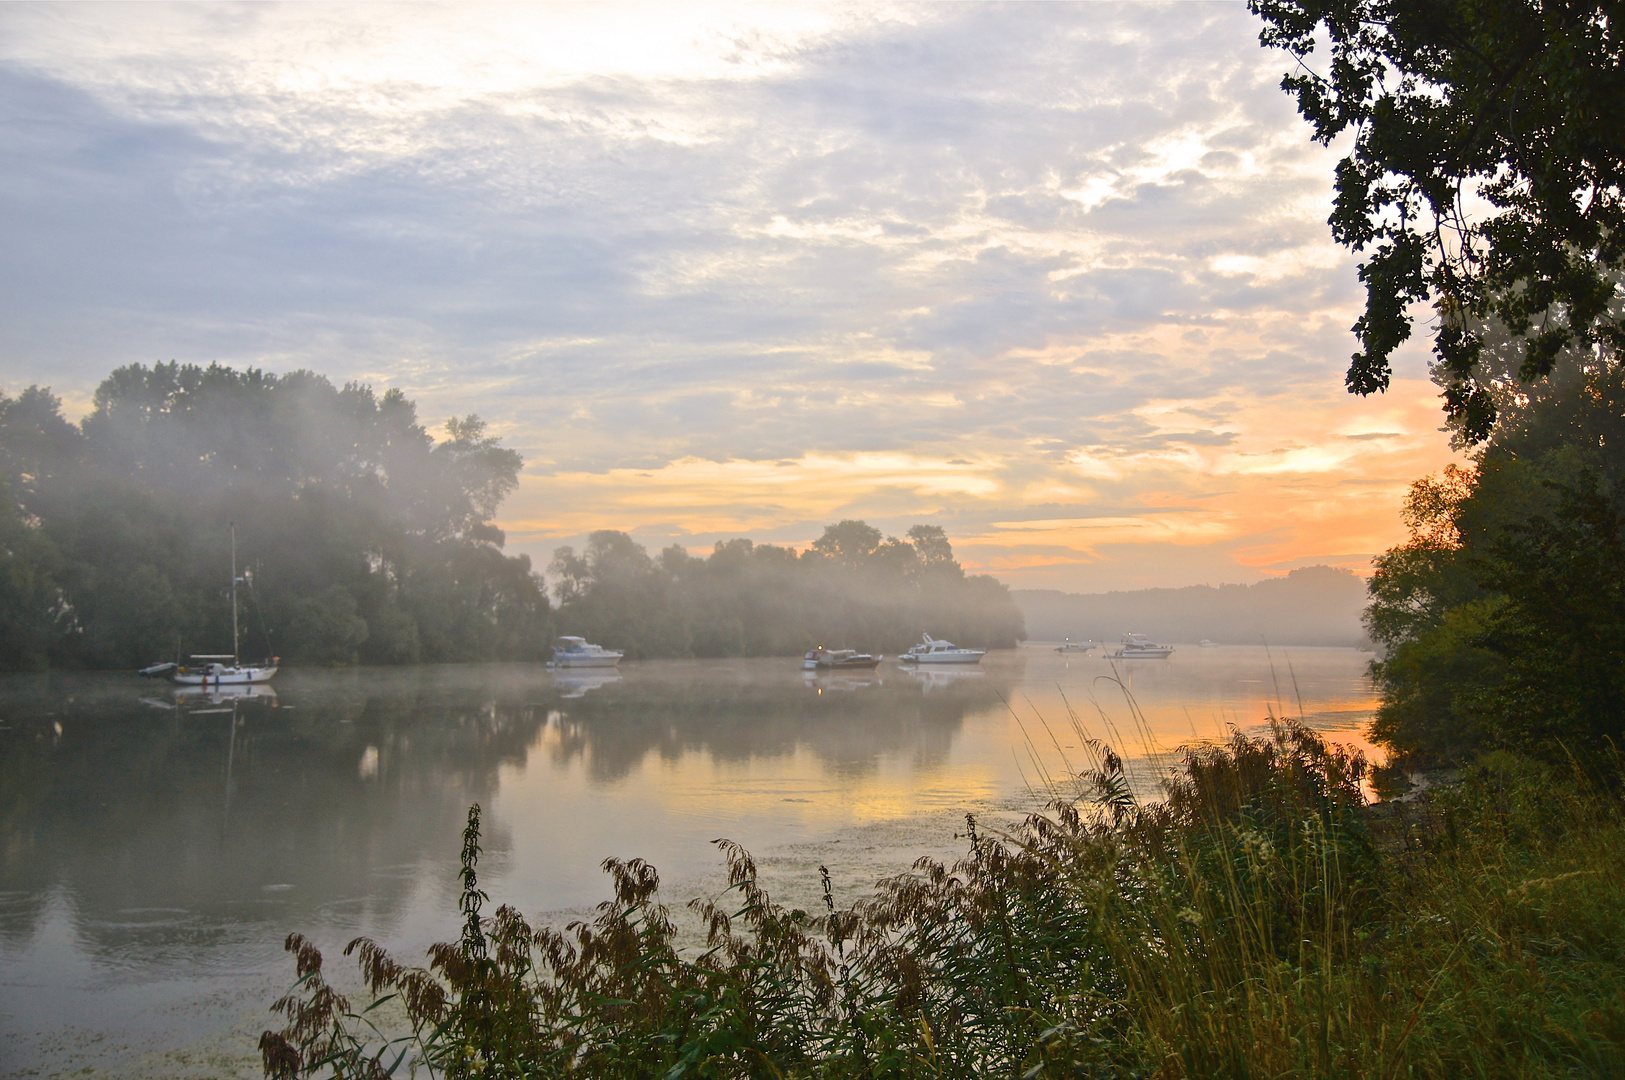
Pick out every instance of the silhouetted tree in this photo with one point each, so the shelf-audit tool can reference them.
(1485, 173)
(1504, 614)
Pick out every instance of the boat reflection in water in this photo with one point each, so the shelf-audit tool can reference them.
(192, 699)
(178, 837)
(578, 683)
(841, 681)
(941, 678)
(153, 859)
(226, 693)
(233, 703)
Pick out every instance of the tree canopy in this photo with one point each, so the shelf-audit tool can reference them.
(1485, 177)
(361, 535)
(364, 538)
(1504, 615)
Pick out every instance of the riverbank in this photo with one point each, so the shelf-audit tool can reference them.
(1261, 921)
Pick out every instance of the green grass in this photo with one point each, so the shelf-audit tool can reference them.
(1259, 922)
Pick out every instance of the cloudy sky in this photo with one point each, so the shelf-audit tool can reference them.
(1054, 277)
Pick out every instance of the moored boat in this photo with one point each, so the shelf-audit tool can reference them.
(218, 669)
(222, 670)
(1140, 647)
(822, 659)
(575, 652)
(936, 651)
(1068, 645)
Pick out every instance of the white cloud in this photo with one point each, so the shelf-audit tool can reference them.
(641, 238)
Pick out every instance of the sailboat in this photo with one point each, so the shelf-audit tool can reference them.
(219, 669)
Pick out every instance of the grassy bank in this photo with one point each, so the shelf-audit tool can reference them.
(1262, 921)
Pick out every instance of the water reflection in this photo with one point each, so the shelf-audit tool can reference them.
(212, 802)
(193, 696)
(153, 838)
(820, 681)
(942, 678)
(732, 713)
(575, 684)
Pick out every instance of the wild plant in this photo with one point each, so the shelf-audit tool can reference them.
(1250, 923)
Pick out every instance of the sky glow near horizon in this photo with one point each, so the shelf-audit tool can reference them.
(1054, 277)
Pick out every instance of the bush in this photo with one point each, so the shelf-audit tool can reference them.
(1260, 921)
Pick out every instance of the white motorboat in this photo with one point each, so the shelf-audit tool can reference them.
(1068, 645)
(574, 652)
(1205, 643)
(936, 651)
(1140, 647)
(218, 669)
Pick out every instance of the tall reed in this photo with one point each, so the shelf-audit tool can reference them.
(1257, 921)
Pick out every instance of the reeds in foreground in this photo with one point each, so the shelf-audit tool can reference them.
(1261, 921)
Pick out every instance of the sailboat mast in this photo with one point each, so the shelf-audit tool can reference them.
(236, 660)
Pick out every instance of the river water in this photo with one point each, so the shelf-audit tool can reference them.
(156, 847)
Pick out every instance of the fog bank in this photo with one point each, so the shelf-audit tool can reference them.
(1315, 605)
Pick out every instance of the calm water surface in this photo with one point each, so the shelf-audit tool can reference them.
(155, 848)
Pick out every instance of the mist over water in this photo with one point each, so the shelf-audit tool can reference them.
(156, 848)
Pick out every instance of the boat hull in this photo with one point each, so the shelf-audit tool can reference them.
(839, 660)
(229, 677)
(600, 660)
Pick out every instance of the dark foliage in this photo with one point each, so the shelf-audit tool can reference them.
(1504, 616)
(1560, 633)
(1486, 177)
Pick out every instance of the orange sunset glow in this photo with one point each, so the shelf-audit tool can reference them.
(1056, 278)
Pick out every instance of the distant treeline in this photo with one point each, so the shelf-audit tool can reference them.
(1315, 605)
(852, 588)
(362, 538)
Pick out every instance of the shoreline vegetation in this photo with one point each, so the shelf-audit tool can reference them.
(365, 539)
(1260, 920)
(852, 587)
